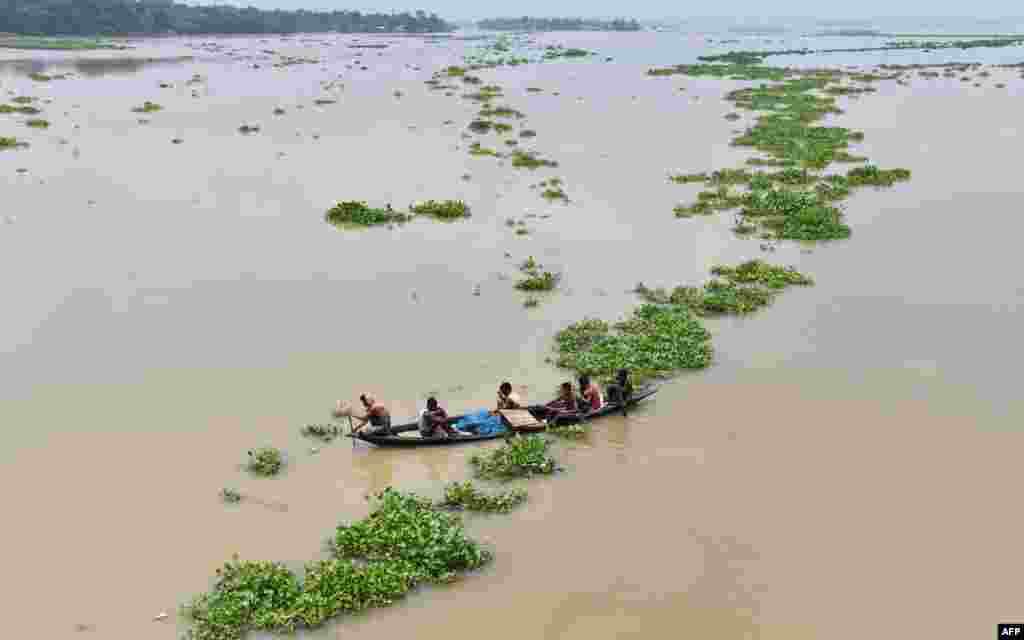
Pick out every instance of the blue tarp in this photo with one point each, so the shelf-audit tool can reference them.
(481, 422)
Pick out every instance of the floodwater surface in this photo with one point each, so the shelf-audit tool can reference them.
(843, 470)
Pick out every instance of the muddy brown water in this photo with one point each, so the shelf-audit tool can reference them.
(845, 469)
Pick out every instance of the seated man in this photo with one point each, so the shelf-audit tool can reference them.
(508, 399)
(563, 405)
(591, 393)
(620, 391)
(435, 421)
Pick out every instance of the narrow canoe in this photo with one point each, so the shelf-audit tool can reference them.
(418, 441)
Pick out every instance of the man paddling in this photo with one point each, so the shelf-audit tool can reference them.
(377, 415)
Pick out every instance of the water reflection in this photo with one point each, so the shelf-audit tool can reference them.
(87, 67)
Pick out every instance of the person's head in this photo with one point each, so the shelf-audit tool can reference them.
(505, 388)
(566, 389)
(622, 375)
(366, 399)
(584, 382)
(431, 404)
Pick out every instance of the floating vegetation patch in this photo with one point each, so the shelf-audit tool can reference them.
(324, 101)
(738, 290)
(530, 160)
(230, 496)
(442, 210)
(520, 456)
(323, 432)
(476, 150)
(11, 143)
(535, 278)
(23, 100)
(793, 203)
(502, 127)
(480, 126)
(22, 109)
(265, 462)
(279, 111)
(37, 123)
(527, 133)
(464, 495)
(553, 190)
(454, 72)
(657, 340)
(247, 129)
(148, 107)
(873, 176)
(501, 112)
(353, 213)
(757, 57)
(569, 431)
(404, 542)
(554, 52)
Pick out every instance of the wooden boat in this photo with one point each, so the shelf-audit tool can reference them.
(419, 441)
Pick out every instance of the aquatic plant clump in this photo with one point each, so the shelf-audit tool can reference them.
(23, 109)
(404, 542)
(536, 279)
(359, 214)
(569, 431)
(266, 462)
(11, 143)
(521, 456)
(230, 496)
(148, 107)
(324, 432)
(37, 123)
(407, 528)
(464, 495)
(529, 160)
(655, 341)
(760, 272)
(873, 176)
(445, 210)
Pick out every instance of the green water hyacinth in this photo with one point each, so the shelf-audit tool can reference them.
(22, 109)
(464, 495)
(265, 462)
(444, 210)
(407, 528)
(148, 107)
(521, 456)
(354, 213)
(656, 340)
(871, 175)
(760, 272)
(405, 541)
(324, 432)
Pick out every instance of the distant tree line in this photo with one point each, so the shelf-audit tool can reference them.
(116, 17)
(557, 24)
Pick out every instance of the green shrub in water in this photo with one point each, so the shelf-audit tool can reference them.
(37, 123)
(520, 456)
(464, 495)
(265, 462)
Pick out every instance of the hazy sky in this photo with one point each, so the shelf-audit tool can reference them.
(457, 9)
